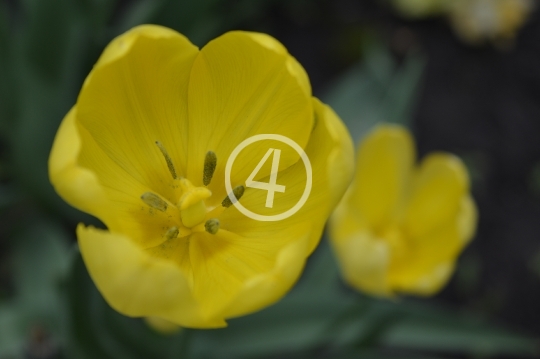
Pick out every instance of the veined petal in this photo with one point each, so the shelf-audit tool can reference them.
(124, 211)
(226, 268)
(137, 284)
(330, 152)
(384, 166)
(431, 259)
(243, 84)
(293, 66)
(137, 95)
(439, 186)
(267, 288)
(77, 185)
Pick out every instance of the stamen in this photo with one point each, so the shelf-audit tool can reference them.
(154, 201)
(212, 226)
(238, 193)
(172, 233)
(167, 159)
(210, 162)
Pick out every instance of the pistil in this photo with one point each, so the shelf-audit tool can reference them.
(193, 211)
(191, 204)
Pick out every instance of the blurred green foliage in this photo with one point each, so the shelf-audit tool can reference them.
(376, 90)
(49, 307)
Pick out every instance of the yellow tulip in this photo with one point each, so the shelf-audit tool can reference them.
(477, 20)
(401, 227)
(145, 149)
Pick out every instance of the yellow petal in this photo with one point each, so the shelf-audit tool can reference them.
(124, 211)
(430, 263)
(431, 260)
(330, 153)
(226, 268)
(363, 259)
(137, 284)
(137, 95)
(76, 185)
(384, 166)
(439, 186)
(243, 84)
(267, 288)
(293, 66)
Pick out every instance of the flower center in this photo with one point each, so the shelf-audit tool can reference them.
(191, 205)
(395, 238)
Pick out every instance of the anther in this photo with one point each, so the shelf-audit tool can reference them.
(154, 201)
(212, 226)
(167, 159)
(172, 233)
(238, 193)
(210, 162)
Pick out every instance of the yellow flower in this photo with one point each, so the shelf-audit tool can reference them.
(400, 227)
(477, 20)
(145, 149)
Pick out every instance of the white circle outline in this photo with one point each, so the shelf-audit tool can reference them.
(257, 138)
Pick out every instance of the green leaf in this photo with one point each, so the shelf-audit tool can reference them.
(47, 68)
(198, 20)
(46, 36)
(95, 330)
(13, 333)
(97, 14)
(40, 260)
(6, 85)
(353, 98)
(421, 327)
(402, 91)
(376, 90)
(426, 328)
(139, 12)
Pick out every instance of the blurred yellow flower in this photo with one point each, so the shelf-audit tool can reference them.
(478, 20)
(144, 150)
(401, 227)
(473, 20)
